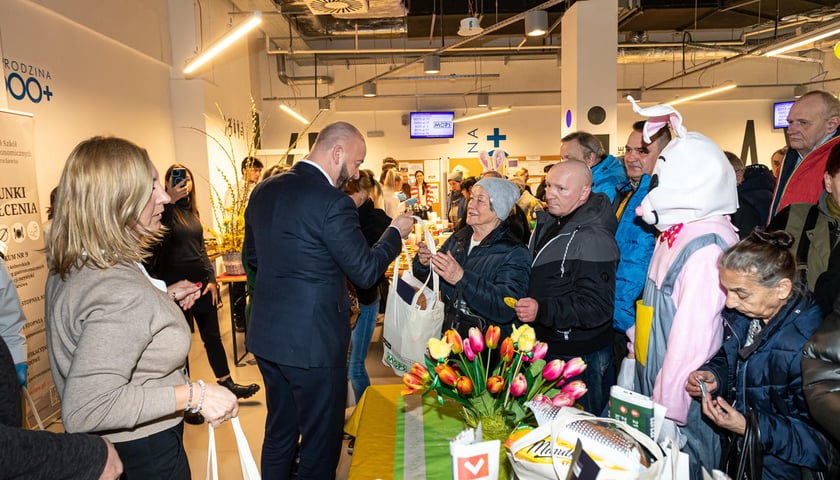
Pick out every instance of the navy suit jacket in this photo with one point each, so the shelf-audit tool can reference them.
(302, 236)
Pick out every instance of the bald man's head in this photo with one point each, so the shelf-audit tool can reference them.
(567, 187)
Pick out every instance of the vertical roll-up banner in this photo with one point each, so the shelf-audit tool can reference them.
(22, 232)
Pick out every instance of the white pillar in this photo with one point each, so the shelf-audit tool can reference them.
(589, 69)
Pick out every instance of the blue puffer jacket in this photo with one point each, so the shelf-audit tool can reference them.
(498, 267)
(635, 240)
(607, 176)
(766, 377)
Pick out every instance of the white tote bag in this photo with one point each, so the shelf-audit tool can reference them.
(407, 327)
(246, 459)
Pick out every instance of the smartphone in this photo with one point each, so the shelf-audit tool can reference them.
(178, 175)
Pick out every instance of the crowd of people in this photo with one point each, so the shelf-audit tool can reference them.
(714, 284)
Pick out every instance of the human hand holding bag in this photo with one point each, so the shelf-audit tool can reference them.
(246, 459)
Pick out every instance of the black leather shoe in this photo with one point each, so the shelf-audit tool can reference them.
(193, 418)
(241, 391)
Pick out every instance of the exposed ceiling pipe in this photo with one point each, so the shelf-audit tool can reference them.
(281, 74)
(493, 28)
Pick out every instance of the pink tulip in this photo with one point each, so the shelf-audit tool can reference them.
(518, 385)
(494, 333)
(574, 389)
(574, 367)
(553, 370)
(506, 350)
(476, 340)
(562, 400)
(468, 351)
(495, 384)
(540, 398)
(539, 351)
(464, 385)
(454, 338)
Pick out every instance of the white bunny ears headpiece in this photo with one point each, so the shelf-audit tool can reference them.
(492, 165)
(659, 116)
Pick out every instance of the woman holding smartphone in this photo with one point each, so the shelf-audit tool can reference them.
(181, 255)
(116, 336)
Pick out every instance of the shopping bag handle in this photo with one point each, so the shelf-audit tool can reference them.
(430, 243)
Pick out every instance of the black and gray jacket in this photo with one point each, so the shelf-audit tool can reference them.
(573, 277)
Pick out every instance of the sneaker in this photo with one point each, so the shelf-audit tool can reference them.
(241, 391)
(193, 418)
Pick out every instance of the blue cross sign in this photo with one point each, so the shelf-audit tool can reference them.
(496, 138)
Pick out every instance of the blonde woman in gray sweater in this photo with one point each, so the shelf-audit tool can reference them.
(117, 338)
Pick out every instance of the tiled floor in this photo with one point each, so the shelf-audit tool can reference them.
(252, 411)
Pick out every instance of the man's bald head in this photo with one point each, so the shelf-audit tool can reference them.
(567, 187)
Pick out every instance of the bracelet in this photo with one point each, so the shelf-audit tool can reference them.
(200, 398)
(189, 400)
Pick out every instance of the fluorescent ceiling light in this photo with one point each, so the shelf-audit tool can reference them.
(431, 64)
(811, 37)
(369, 89)
(294, 114)
(224, 42)
(713, 91)
(536, 23)
(482, 115)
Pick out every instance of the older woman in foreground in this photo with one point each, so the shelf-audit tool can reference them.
(768, 321)
(482, 263)
(117, 338)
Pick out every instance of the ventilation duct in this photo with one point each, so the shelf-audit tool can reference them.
(281, 74)
(337, 7)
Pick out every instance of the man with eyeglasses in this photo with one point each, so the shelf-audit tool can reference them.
(634, 237)
(813, 123)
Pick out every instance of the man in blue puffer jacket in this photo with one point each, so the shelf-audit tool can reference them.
(607, 172)
(634, 237)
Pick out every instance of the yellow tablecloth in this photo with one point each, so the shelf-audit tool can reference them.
(402, 437)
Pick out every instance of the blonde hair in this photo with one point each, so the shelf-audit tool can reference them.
(104, 187)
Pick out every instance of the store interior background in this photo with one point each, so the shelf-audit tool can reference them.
(114, 68)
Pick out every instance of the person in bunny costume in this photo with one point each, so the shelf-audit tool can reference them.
(678, 323)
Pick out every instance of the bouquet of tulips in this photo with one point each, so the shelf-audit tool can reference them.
(460, 368)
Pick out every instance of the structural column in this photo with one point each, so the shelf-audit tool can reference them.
(589, 70)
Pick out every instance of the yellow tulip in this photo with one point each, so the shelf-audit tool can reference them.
(524, 337)
(438, 348)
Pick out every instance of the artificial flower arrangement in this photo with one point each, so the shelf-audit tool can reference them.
(460, 369)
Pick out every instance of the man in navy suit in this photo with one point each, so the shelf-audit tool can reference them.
(302, 236)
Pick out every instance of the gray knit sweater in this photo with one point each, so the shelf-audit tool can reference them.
(117, 346)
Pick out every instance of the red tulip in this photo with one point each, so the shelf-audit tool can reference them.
(574, 389)
(468, 351)
(562, 400)
(574, 367)
(491, 338)
(553, 369)
(518, 385)
(454, 338)
(447, 374)
(495, 384)
(476, 340)
(464, 385)
(539, 351)
(506, 351)
(421, 372)
(540, 398)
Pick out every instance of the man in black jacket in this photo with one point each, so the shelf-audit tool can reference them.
(572, 289)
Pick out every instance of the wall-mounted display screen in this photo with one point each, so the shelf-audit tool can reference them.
(780, 114)
(432, 124)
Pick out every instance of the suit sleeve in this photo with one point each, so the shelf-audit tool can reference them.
(45, 455)
(343, 238)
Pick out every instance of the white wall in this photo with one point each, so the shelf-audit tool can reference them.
(99, 86)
